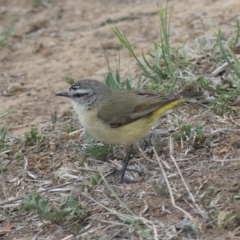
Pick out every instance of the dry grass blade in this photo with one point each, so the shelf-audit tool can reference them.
(45, 190)
(135, 217)
(132, 219)
(169, 187)
(199, 210)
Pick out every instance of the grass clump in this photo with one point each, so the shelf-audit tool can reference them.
(69, 128)
(161, 65)
(3, 134)
(39, 3)
(33, 137)
(68, 208)
(187, 131)
(100, 152)
(8, 32)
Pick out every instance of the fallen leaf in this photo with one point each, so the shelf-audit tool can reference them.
(5, 228)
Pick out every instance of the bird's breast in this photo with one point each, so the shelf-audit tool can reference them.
(124, 135)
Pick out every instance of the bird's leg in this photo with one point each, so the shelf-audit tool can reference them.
(125, 164)
(124, 168)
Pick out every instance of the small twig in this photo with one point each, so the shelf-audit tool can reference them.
(183, 180)
(201, 187)
(219, 69)
(126, 18)
(223, 130)
(145, 208)
(25, 167)
(76, 131)
(182, 145)
(229, 19)
(85, 232)
(187, 188)
(88, 170)
(231, 118)
(171, 146)
(226, 160)
(35, 146)
(169, 188)
(45, 190)
(36, 235)
(122, 216)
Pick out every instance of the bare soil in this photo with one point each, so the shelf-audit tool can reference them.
(62, 38)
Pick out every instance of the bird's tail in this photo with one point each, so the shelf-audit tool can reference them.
(175, 102)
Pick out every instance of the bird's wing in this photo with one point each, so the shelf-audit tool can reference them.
(124, 107)
(150, 101)
(116, 110)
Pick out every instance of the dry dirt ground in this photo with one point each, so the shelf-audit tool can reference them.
(62, 38)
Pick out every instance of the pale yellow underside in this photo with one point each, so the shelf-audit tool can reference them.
(124, 135)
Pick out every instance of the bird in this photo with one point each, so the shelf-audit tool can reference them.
(119, 116)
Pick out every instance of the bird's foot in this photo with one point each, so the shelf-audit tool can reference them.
(121, 173)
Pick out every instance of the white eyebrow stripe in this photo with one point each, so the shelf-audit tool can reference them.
(81, 91)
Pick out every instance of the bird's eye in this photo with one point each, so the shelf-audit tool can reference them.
(78, 95)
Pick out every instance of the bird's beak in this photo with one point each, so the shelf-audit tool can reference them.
(63, 94)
